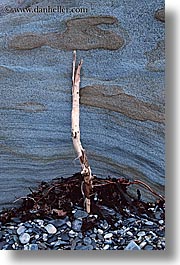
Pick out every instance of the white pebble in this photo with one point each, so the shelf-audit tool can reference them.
(161, 222)
(100, 231)
(106, 247)
(51, 229)
(141, 233)
(24, 238)
(109, 235)
(21, 230)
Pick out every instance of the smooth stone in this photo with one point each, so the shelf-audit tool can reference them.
(40, 222)
(93, 235)
(143, 244)
(21, 230)
(33, 247)
(64, 236)
(24, 238)
(45, 237)
(52, 239)
(104, 225)
(80, 214)
(129, 233)
(60, 242)
(100, 231)
(1, 235)
(106, 247)
(89, 247)
(59, 222)
(26, 247)
(149, 223)
(68, 224)
(160, 233)
(95, 230)
(80, 235)
(87, 240)
(158, 215)
(109, 235)
(161, 222)
(148, 247)
(141, 233)
(2, 244)
(28, 224)
(122, 241)
(37, 237)
(51, 229)
(72, 233)
(29, 230)
(15, 220)
(132, 246)
(76, 225)
(108, 241)
(74, 242)
(42, 246)
(100, 237)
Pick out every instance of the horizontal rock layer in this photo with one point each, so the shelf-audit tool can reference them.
(122, 92)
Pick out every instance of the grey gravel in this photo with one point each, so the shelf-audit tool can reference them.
(130, 233)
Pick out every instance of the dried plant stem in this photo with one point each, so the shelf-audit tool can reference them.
(86, 170)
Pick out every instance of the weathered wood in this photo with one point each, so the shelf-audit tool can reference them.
(86, 170)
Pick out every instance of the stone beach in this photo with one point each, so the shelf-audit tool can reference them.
(132, 233)
(53, 218)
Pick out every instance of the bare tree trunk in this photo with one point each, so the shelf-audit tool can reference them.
(86, 170)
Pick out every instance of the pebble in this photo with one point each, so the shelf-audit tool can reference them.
(45, 237)
(72, 233)
(67, 234)
(129, 233)
(87, 240)
(143, 244)
(161, 222)
(76, 225)
(51, 229)
(64, 236)
(132, 246)
(81, 247)
(59, 222)
(148, 223)
(21, 230)
(109, 235)
(100, 231)
(104, 225)
(33, 247)
(80, 214)
(148, 247)
(24, 238)
(68, 224)
(106, 247)
(141, 233)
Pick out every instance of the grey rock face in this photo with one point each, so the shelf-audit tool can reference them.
(122, 92)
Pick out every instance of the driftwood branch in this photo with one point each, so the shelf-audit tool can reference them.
(86, 186)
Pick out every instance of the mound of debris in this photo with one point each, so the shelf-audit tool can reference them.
(58, 197)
